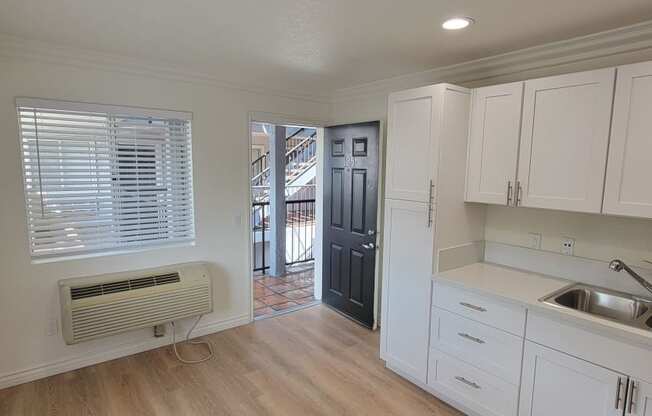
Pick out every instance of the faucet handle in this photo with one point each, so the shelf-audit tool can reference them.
(616, 265)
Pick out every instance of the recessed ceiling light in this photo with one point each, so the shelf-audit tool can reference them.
(457, 23)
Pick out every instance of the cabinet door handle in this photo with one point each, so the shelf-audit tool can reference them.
(509, 193)
(471, 338)
(632, 399)
(467, 382)
(519, 191)
(618, 388)
(430, 194)
(474, 307)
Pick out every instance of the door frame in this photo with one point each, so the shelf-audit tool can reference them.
(283, 119)
(280, 119)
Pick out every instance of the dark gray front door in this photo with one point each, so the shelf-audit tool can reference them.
(350, 205)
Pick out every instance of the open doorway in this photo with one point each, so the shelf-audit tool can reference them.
(283, 217)
(315, 211)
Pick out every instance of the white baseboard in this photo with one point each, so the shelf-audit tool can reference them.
(62, 366)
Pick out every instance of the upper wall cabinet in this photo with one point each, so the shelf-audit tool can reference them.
(411, 151)
(629, 169)
(564, 141)
(493, 143)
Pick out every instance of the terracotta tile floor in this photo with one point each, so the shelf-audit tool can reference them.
(277, 294)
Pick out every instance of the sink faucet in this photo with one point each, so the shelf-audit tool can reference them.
(619, 265)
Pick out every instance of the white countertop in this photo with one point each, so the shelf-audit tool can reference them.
(526, 288)
(507, 283)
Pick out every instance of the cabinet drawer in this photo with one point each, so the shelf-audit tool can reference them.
(486, 394)
(508, 317)
(492, 350)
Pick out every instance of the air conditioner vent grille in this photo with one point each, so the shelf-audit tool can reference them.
(82, 292)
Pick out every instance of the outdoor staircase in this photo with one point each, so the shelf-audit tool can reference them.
(300, 166)
(300, 171)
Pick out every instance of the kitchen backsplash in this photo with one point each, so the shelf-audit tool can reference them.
(598, 237)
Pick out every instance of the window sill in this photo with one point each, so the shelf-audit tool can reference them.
(109, 253)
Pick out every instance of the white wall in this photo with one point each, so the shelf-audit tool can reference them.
(28, 292)
(597, 237)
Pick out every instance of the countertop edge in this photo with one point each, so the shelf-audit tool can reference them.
(600, 326)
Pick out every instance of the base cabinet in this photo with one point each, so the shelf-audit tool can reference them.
(557, 384)
(639, 398)
(479, 362)
(479, 391)
(407, 261)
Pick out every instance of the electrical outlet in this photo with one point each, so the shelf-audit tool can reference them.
(534, 240)
(568, 246)
(53, 327)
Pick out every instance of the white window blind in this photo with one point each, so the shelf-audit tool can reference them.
(104, 177)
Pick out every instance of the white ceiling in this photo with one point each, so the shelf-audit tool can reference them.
(311, 46)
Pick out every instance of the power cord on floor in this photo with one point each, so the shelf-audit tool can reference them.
(194, 342)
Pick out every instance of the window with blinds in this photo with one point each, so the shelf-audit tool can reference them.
(102, 178)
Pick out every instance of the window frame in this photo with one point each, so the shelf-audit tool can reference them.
(112, 113)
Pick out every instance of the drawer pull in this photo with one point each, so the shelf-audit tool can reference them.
(474, 307)
(470, 337)
(467, 382)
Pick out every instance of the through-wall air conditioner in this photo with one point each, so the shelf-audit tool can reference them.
(98, 306)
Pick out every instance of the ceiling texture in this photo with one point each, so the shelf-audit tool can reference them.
(312, 46)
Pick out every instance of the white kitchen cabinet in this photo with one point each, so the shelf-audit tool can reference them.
(484, 309)
(494, 133)
(424, 212)
(480, 393)
(411, 145)
(564, 140)
(494, 351)
(554, 383)
(629, 167)
(407, 264)
(639, 398)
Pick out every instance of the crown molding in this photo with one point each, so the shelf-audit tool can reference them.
(602, 45)
(12, 47)
(625, 40)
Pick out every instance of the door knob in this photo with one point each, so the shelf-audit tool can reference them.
(369, 246)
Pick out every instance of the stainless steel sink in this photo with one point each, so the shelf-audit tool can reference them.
(615, 306)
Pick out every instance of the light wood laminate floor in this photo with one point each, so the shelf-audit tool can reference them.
(310, 362)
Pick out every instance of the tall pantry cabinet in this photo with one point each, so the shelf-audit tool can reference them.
(425, 214)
